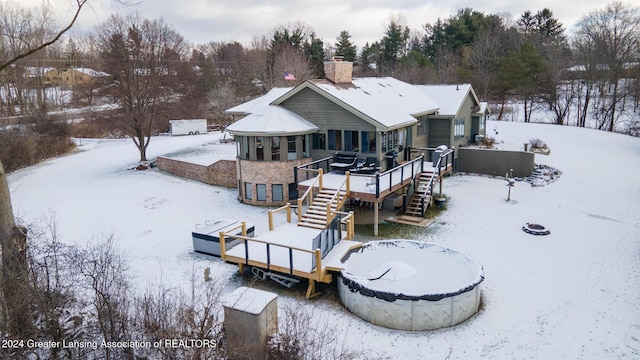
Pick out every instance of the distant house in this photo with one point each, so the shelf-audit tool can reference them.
(368, 117)
(41, 75)
(80, 76)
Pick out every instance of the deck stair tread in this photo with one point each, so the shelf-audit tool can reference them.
(316, 214)
(422, 191)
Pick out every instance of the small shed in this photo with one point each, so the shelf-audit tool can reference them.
(250, 317)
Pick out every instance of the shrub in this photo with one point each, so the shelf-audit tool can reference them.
(538, 144)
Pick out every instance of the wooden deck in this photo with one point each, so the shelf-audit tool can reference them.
(292, 249)
(363, 187)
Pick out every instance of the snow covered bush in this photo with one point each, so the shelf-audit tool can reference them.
(538, 144)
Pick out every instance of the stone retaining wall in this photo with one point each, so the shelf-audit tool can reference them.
(220, 173)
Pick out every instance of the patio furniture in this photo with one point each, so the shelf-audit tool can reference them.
(343, 162)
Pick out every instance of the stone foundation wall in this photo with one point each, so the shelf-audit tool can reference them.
(267, 173)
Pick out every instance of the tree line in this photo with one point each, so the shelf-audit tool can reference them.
(155, 74)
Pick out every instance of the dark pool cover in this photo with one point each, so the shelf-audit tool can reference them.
(354, 286)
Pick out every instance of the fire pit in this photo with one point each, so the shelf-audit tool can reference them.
(535, 229)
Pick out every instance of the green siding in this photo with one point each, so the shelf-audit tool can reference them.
(326, 115)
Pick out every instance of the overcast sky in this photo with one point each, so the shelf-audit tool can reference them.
(202, 21)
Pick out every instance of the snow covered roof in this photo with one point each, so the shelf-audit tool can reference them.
(483, 108)
(249, 300)
(448, 97)
(271, 120)
(33, 71)
(385, 102)
(90, 72)
(265, 119)
(252, 106)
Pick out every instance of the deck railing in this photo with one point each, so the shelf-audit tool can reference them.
(443, 161)
(308, 195)
(346, 185)
(316, 271)
(390, 180)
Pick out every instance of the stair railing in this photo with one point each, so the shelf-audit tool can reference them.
(308, 195)
(346, 185)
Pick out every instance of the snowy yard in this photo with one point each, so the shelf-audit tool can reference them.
(574, 294)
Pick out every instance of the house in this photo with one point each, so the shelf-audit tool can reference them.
(80, 76)
(378, 118)
(41, 75)
(460, 117)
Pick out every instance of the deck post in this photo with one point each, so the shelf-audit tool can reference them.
(319, 180)
(348, 174)
(319, 269)
(299, 210)
(311, 289)
(351, 230)
(244, 228)
(223, 247)
(375, 218)
(270, 220)
(289, 213)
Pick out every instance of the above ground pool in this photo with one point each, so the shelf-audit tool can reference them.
(410, 285)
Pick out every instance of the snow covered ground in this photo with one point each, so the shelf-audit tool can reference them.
(574, 294)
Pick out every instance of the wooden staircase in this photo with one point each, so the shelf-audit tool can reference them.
(422, 192)
(324, 204)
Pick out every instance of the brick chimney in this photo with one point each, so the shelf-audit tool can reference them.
(338, 71)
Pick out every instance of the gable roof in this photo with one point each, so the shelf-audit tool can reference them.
(385, 102)
(449, 98)
(88, 71)
(258, 103)
(262, 118)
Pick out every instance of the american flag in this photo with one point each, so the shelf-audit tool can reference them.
(288, 76)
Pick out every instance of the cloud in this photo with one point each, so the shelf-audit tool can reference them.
(202, 21)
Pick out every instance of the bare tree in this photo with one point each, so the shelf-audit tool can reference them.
(105, 271)
(486, 53)
(558, 91)
(611, 39)
(281, 59)
(145, 57)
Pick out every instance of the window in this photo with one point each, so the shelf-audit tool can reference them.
(384, 142)
(335, 139)
(275, 148)
(422, 125)
(318, 142)
(291, 146)
(259, 148)
(261, 192)
(243, 147)
(277, 192)
(481, 123)
(368, 141)
(458, 130)
(305, 146)
(293, 192)
(351, 141)
(247, 191)
(392, 139)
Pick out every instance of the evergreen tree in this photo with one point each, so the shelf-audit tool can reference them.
(314, 50)
(344, 47)
(394, 43)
